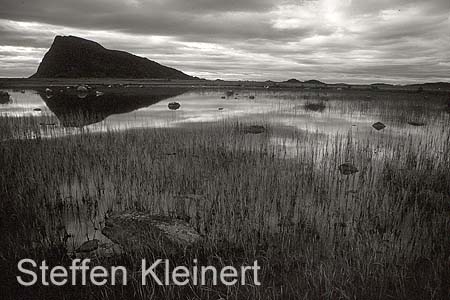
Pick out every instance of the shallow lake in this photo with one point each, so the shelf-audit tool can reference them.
(412, 117)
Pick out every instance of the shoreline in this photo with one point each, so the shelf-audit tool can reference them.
(216, 84)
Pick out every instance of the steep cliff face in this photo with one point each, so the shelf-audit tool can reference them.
(74, 57)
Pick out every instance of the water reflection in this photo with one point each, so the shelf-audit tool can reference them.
(75, 111)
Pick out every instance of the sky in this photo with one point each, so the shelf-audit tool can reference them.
(352, 41)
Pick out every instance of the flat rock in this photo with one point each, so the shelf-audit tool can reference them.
(135, 230)
(88, 246)
(254, 129)
(347, 169)
(416, 123)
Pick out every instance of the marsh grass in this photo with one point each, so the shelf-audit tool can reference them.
(382, 233)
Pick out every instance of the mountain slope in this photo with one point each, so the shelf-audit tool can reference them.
(74, 57)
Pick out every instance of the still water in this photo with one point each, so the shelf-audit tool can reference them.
(324, 111)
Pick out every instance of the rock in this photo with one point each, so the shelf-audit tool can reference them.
(37, 109)
(416, 123)
(251, 97)
(254, 129)
(135, 230)
(314, 106)
(88, 246)
(220, 108)
(4, 97)
(229, 93)
(98, 93)
(22, 91)
(174, 105)
(347, 169)
(48, 91)
(223, 97)
(378, 125)
(82, 89)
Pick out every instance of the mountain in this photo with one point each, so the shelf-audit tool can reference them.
(74, 57)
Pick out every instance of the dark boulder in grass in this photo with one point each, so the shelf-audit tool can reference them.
(347, 169)
(253, 129)
(4, 97)
(174, 105)
(137, 231)
(378, 126)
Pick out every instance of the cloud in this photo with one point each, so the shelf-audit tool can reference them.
(392, 41)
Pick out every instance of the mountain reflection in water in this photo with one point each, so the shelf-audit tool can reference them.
(73, 111)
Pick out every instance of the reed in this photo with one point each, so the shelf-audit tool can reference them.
(380, 233)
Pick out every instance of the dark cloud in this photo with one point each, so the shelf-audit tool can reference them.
(402, 40)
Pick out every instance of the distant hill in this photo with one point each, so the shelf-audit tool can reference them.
(293, 80)
(74, 57)
(313, 81)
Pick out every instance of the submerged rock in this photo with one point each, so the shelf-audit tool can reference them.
(4, 97)
(135, 230)
(254, 129)
(378, 125)
(315, 106)
(82, 91)
(98, 93)
(251, 97)
(88, 246)
(416, 123)
(174, 105)
(347, 169)
(37, 109)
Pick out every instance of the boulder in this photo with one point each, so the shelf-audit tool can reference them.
(378, 125)
(82, 91)
(135, 230)
(254, 129)
(416, 123)
(174, 105)
(315, 106)
(347, 169)
(4, 97)
(88, 246)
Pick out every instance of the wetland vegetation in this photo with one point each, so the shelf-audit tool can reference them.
(275, 195)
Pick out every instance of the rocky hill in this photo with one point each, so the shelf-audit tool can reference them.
(74, 57)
